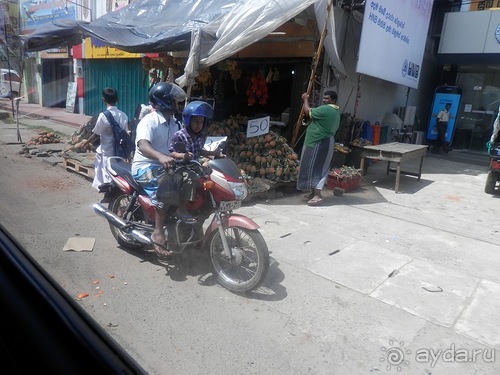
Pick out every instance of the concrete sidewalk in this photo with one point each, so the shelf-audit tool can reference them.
(59, 115)
(414, 272)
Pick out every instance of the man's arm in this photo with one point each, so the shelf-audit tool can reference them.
(147, 150)
(305, 101)
(85, 143)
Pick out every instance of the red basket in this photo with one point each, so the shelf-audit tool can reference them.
(347, 183)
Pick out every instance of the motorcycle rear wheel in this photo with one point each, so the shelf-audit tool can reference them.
(118, 206)
(250, 262)
(491, 181)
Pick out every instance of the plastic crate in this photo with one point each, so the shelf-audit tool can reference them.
(376, 129)
(346, 183)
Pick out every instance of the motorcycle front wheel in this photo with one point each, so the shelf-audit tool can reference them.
(249, 262)
(118, 206)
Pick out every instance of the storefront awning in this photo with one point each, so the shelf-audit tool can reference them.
(211, 30)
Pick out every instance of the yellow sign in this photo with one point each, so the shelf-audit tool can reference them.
(484, 4)
(94, 49)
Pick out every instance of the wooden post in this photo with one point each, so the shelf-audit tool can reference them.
(313, 72)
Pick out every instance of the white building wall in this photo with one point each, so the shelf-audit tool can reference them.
(471, 32)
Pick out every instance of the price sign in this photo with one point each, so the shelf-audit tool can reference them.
(258, 126)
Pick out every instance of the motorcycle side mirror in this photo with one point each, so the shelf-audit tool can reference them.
(179, 147)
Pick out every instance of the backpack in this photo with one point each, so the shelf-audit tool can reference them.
(124, 146)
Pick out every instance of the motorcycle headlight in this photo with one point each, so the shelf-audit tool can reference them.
(240, 190)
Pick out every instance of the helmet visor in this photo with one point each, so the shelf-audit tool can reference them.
(178, 94)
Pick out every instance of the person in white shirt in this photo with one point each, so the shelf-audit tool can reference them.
(104, 131)
(152, 157)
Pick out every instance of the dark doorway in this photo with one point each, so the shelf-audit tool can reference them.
(55, 77)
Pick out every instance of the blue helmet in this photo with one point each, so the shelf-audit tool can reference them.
(164, 96)
(197, 108)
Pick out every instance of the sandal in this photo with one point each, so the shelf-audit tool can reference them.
(161, 250)
(315, 201)
(309, 196)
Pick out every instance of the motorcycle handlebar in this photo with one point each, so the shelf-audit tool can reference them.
(183, 162)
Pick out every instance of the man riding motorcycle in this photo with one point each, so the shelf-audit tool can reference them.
(153, 157)
(238, 253)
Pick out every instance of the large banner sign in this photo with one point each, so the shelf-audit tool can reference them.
(393, 39)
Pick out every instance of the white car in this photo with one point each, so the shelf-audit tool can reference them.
(9, 78)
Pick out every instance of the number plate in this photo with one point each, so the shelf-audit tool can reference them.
(229, 205)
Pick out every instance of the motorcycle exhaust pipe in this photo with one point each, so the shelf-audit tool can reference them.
(141, 237)
(109, 216)
(120, 223)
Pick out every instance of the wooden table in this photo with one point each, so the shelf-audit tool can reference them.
(397, 153)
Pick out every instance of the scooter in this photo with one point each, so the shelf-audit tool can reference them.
(494, 169)
(238, 251)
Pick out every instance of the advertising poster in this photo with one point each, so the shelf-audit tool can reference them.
(10, 42)
(442, 96)
(36, 13)
(9, 23)
(393, 40)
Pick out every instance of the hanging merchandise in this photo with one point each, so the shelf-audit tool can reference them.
(234, 72)
(269, 76)
(203, 81)
(276, 75)
(257, 92)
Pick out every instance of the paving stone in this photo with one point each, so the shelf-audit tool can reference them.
(360, 266)
(305, 247)
(52, 147)
(480, 319)
(53, 160)
(275, 226)
(435, 293)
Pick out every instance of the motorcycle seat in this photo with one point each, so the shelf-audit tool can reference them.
(124, 170)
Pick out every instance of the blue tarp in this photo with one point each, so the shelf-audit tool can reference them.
(211, 30)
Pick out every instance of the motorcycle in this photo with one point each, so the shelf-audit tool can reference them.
(494, 169)
(238, 252)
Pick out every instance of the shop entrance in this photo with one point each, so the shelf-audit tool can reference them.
(479, 107)
(56, 74)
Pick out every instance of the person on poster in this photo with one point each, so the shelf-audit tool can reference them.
(319, 145)
(441, 126)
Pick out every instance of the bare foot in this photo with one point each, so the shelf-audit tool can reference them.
(160, 246)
